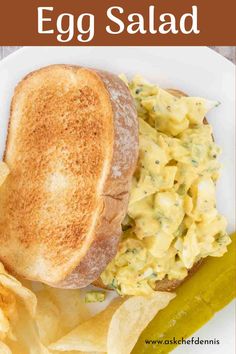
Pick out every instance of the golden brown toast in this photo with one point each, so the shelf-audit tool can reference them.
(72, 149)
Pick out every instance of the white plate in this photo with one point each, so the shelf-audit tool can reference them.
(196, 70)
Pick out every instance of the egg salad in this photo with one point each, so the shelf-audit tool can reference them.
(172, 221)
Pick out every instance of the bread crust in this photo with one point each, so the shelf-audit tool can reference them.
(55, 260)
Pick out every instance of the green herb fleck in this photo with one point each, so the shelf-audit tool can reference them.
(181, 190)
(194, 162)
(95, 296)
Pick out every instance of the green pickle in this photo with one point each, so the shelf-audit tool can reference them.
(210, 289)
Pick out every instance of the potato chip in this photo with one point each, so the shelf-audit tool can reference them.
(131, 318)
(4, 349)
(27, 338)
(4, 324)
(71, 305)
(22, 293)
(91, 335)
(116, 329)
(4, 172)
(58, 312)
(48, 319)
(17, 308)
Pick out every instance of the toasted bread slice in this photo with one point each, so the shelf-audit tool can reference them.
(166, 284)
(72, 149)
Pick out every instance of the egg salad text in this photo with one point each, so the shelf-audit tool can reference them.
(172, 220)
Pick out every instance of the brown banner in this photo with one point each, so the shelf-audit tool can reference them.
(117, 22)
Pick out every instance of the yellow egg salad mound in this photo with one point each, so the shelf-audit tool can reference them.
(172, 220)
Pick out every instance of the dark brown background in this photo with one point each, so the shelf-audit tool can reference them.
(18, 21)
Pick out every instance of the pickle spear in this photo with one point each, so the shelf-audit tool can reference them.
(210, 289)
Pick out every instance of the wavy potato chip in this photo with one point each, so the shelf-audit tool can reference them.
(23, 294)
(27, 338)
(18, 331)
(4, 349)
(48, 319)
(4, 324)
(58, 312)
(116, 329)
(71, 305)
(131, 318)
(90, 335)
(13, 292)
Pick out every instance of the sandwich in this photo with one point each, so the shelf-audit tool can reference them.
(71, 148)
(111, 182)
